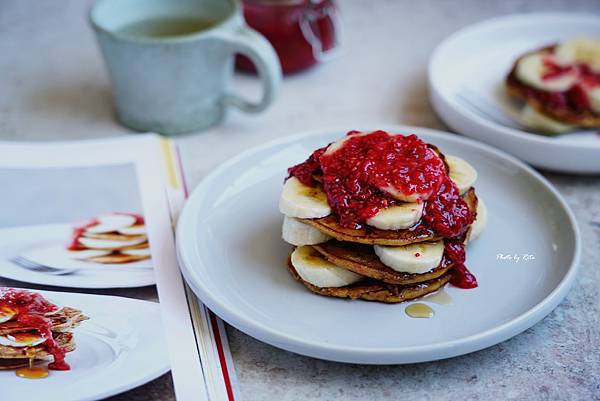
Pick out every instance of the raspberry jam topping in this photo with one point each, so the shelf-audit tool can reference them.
(306, 170)
(446, 212)
(74, 244)
(454, 249)
(576, 98)
(30, 308)
(553, 70)
(355, 171)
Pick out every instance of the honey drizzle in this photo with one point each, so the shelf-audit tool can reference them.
(32, 372)
(441, 298)
(419, 311)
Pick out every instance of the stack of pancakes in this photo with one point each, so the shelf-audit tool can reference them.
(26, 343)
(333, 260)
(113, 238)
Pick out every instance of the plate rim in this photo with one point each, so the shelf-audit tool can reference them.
(330, 351)
(441, 99)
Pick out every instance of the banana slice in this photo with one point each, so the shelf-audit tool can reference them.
(297, 233)
(415, 258)
(133, 230)
(111, 222)
(6, 314)
(537, 121)
(480, 222)
(19, 340)
(579, 50)
(461, 172)
(302, 201)
(401, 196)
(340, 142)
(594, 97)
(397, 217)
(88, 253)
(318, 271)
(530, 70)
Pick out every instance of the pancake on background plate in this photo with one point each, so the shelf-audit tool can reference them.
(560, 86)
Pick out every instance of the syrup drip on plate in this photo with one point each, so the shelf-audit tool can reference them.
(419, 311)
(32, 372)
(441, 298)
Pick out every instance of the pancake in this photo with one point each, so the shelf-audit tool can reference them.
(15, 363)
(518, 89)
(114, 236)
(64, 340)
(361, 259)
(370, 290)
(118, 258)
(374, 236)
(143, 245)
(63, 320)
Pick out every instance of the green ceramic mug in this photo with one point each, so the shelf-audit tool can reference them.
(170, 61)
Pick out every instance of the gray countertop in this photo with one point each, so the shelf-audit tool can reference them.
(53, 86)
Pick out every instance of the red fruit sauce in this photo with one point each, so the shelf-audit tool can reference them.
(454, 249)
(353, 174)
(575, 98)
(74, 244)
(30, 308)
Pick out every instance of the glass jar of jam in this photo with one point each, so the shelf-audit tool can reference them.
(303, 32)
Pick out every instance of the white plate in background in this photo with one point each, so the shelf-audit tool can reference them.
(473, 63)
(231, 254)
(121, 347)
(44, 242)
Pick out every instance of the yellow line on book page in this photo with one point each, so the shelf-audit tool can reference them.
(167, 149)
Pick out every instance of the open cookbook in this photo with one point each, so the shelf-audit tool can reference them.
(91, 296)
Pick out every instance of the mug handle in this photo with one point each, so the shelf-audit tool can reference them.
(253, 45)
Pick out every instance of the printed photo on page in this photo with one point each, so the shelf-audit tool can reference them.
(91, 296)
(78, 302)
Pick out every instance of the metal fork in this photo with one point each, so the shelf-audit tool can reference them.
(483, 106)
(29, 265)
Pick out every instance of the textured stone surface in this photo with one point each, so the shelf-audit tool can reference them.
(53, 86)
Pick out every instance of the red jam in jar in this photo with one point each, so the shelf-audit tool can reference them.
(302, 32)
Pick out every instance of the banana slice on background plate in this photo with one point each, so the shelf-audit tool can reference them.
(461, 172)
(297, 233)
(301, 201)
(594, 98)
(531, 68)
(415, 258)
(531, 118)
(313, 268)
(397, 217)
(579, 50)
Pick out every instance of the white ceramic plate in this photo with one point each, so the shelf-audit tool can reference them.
(472, 64)
(232, 256)
(121, 347)
(44, 244)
